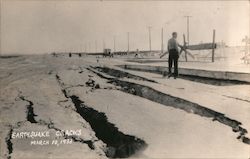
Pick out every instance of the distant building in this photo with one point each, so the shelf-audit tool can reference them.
(107, 53)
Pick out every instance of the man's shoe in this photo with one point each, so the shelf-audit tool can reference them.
(164, 74)
(175, 76)
(169, 75)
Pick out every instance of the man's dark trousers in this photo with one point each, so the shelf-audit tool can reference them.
(173, 57)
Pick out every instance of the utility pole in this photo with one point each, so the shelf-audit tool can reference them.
(187, 28)
(184, 39)
(162, 40)
(166, 24)
(128, 42)
(214, 45)
(114, 45)
(149, 34)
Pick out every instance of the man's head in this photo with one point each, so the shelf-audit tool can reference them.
(174, 34)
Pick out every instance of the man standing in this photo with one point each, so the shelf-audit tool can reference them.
(173, 55)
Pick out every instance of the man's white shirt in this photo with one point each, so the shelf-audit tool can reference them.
(173, 44)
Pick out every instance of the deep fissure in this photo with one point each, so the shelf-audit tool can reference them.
(119, 145)
(121, 74)
(244, 100)
(31, 119)
(204, 80)
(9, 143)
(30, 110)
(213, 81)
(176, 102)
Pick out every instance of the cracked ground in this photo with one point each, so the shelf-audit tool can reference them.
(121, 113)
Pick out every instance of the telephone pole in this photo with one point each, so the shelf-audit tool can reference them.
(128, 42)
(187, 28)
(162, 40)
(166, 24)
(213, 45)
(149, 34)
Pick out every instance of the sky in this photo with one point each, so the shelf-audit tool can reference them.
(34, 27)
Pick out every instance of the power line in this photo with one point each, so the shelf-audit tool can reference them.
(128, 41)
